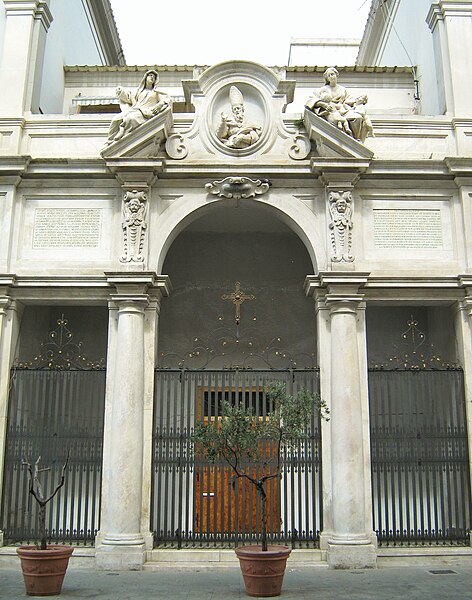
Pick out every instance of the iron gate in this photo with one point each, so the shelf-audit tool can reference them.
(51, 413)
(193, 503)
(420, 459)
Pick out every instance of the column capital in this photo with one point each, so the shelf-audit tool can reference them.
(5, 302)
(6, 281)
(467, 306)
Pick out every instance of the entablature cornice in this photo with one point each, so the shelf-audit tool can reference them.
(447, 8)
(390, 290)
(66, 168)
(141, 282)
(135, 173)
(13, 168)
(408, 169)
(253, 169)
(77, 290)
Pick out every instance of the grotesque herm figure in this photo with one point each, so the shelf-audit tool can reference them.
(134, 226)
(333, 103)
(144, 103)
(235, 131)
(341, 226)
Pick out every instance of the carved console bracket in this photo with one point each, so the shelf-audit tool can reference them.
(238, 187)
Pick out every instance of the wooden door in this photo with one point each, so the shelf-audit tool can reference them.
(224, 503)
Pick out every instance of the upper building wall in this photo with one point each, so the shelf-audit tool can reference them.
(71, 39)
(390, 39)
(38, 38)
(434, 38)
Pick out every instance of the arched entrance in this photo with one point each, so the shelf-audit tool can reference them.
(236, 320)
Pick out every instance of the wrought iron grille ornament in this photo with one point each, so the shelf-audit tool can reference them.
(222, 346)
(413, 354)
(236, 346)
(419, 447)
(60, 352)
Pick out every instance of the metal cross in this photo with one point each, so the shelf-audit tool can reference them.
(237, 298)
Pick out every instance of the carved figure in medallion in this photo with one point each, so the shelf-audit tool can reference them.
(341, 225)
(134, 226)
(235, 131)
(144, 103)
(334, 103)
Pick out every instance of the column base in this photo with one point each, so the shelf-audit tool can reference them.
(1, 538)
(120, 553)
(352, 556)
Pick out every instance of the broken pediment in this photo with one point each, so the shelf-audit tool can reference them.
(237, 110)
(144, 141)
(332, 142)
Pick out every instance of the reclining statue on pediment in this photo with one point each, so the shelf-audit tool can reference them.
(143, 104)
(334, 103)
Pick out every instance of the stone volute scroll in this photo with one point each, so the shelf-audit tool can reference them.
(340, 226)
(235, 130)
(334, 103)
(134, 226)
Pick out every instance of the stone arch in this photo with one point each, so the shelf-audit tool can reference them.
(295, 214)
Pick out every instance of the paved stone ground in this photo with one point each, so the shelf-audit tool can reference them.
(408, 583)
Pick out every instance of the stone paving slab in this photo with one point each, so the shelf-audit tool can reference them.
(409, 583)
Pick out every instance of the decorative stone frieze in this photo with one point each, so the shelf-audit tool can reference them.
(237, 187)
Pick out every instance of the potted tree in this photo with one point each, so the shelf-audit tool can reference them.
(44, 566)
(241, 439)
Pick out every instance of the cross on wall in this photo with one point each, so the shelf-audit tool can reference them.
(237, 297)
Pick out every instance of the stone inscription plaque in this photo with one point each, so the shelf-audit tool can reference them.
(67, 227)
(407, 228)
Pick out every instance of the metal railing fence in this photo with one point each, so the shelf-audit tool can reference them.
(420, 461)
(195, 504)
(52, 413)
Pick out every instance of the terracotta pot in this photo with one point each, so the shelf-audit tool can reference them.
(263, 572)
(44, 570)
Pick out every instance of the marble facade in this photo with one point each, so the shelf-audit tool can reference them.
(386, 222)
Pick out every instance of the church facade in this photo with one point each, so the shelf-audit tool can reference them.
(173, 237)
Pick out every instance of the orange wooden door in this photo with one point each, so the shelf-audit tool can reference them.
(224, 503)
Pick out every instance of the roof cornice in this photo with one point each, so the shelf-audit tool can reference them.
(107, 32)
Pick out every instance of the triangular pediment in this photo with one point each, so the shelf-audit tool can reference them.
(144, 141)
(331, 142)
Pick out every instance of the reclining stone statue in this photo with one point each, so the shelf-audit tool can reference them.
(143, 104)
(333, 103)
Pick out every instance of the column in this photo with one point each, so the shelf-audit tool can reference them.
(350, 543)
(121, 543)
(124, 535)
